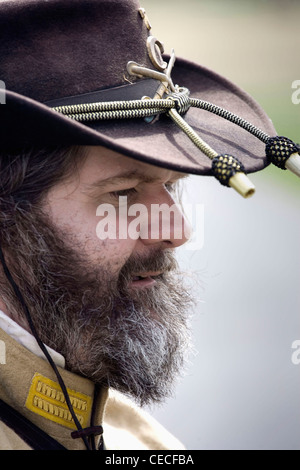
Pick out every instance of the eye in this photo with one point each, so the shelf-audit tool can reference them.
(123, 192)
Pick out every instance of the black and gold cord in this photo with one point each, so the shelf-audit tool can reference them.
(280, 151)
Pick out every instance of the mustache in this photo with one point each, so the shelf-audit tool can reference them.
(163, 261)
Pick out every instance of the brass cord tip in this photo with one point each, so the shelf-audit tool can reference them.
(230, 172)
(293, 164)
(242, 184)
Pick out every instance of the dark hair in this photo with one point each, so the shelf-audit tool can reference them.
(27, 175)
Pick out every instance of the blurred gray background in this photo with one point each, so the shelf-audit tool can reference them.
(241, 390)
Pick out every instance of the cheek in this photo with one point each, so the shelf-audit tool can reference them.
(97, 236)
(111, 254)
(100, 243)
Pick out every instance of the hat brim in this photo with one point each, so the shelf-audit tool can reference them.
(161, 143)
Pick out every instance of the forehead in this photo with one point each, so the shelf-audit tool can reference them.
(101, 164)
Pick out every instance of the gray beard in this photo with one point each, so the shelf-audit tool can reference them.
(135, 341)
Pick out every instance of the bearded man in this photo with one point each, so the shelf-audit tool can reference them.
(89, 318)
(113, 309)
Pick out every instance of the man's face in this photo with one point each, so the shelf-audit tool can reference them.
(114, 305)
(107, 184)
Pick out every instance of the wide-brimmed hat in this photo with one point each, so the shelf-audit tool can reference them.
(91, 73)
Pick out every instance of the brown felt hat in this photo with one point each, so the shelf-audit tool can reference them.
(58, 53)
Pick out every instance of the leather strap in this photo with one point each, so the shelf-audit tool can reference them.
(134, 91)
(29, 432)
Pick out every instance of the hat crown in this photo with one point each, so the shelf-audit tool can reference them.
(56, 48)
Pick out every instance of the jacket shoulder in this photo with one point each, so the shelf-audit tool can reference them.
(9, 440)
(128, 427)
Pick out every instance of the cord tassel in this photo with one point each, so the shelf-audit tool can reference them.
(283, 153)
(228, 170)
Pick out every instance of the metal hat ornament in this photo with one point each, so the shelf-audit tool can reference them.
(92, 73)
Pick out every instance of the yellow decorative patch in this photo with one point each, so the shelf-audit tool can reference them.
(46, 399)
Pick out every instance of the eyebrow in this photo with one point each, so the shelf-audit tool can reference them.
(125, 177)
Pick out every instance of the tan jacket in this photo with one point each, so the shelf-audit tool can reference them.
(29, 385)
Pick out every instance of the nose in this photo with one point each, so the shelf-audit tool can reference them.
(166, 223)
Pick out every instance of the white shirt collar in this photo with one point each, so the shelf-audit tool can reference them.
(27, 340)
